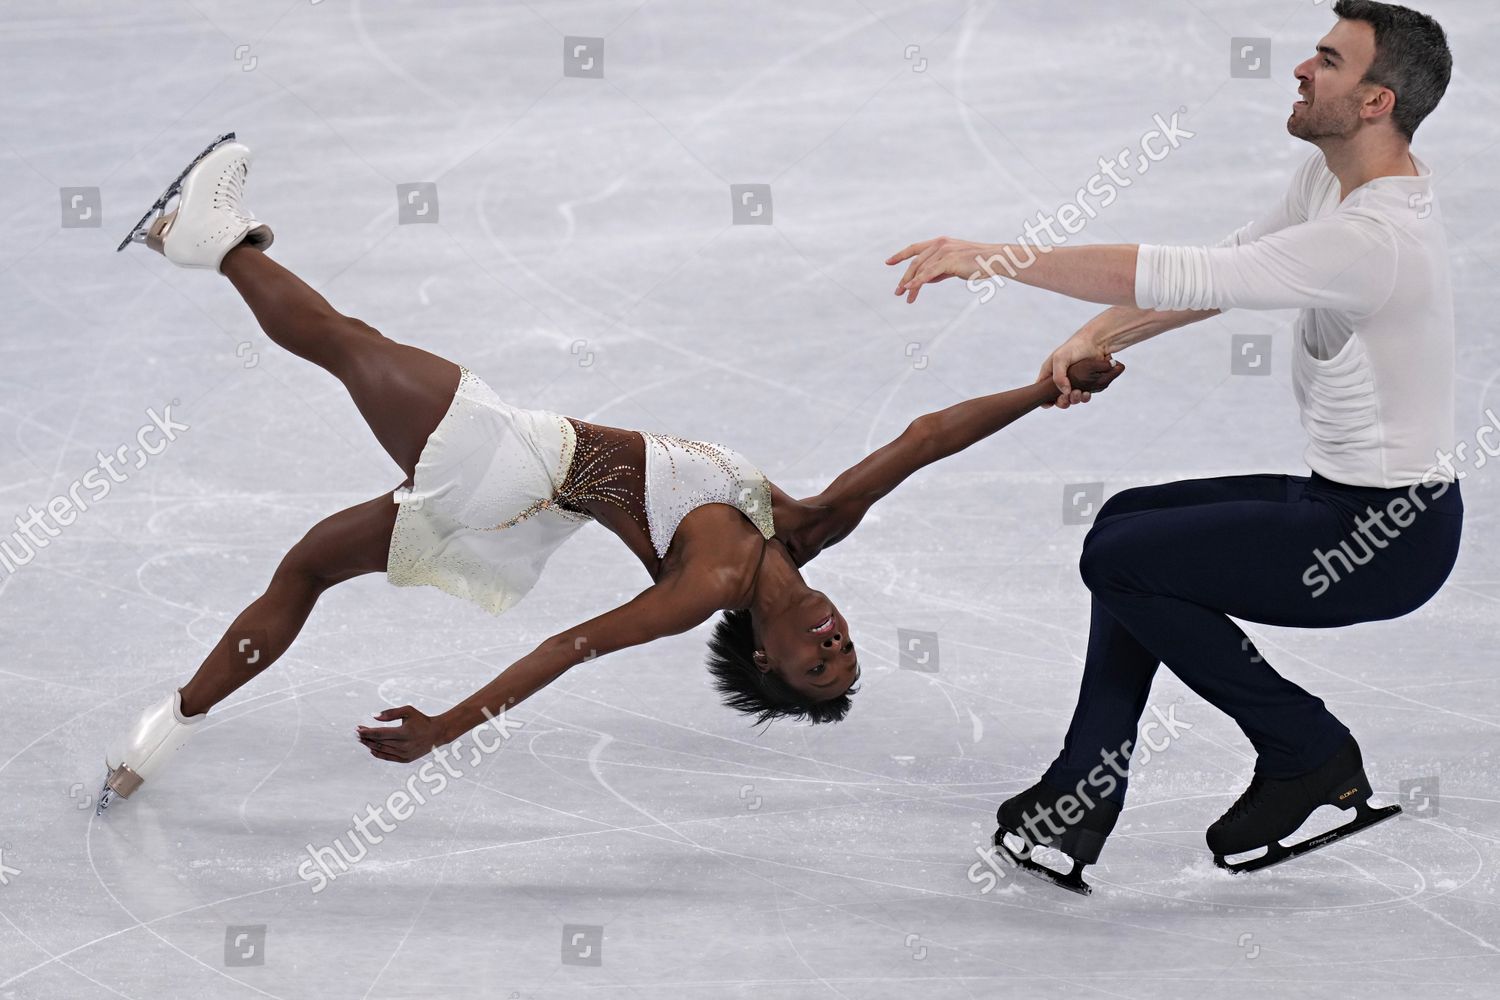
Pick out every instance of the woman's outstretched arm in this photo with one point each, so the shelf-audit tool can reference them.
(934, 436)
(668, 607)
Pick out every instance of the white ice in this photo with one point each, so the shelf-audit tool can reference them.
(584, 260)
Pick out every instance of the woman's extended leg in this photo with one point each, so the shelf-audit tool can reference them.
(401, 391)
(350, 543)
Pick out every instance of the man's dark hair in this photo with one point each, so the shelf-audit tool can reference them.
(1411, 58)
(748, 689)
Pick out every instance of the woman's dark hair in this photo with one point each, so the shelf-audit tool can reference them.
(748, 689)
(1411, 58)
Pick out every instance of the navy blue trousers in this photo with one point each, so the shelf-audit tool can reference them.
(1168, 565)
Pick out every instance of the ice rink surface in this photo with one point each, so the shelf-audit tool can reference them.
(633, 838)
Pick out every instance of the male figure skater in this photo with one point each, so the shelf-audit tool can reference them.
(1357, 246)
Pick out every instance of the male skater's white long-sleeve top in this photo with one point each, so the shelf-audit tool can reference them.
(1373, 357)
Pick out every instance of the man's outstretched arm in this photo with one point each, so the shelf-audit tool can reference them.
(1345, 262)
(1104, 274)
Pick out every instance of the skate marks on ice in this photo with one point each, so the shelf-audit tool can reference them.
(1152, 854)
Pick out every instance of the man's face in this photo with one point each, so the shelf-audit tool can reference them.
(1329, 83)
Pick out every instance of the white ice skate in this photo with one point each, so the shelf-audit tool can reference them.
(210, 218)
(156, 736)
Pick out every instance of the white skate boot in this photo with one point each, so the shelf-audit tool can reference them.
(158, 734)
(210, 218)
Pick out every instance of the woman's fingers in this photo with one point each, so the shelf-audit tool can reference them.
(396, 750)
(384, 735)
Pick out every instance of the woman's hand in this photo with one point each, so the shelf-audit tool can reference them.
(936, 260)
(412, 740)
(1093, 375)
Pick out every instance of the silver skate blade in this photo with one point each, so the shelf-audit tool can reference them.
(1365, 816)
(1023, 861)
(137, 233)
(106, 796)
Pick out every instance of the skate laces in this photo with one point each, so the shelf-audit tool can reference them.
(231, 190)
(1246, 801)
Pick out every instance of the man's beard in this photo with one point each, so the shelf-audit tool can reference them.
(1328, 120)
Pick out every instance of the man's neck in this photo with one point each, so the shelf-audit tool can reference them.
(1360, 159)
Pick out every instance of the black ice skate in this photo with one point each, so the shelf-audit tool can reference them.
(1271, 809)
(1035, 820)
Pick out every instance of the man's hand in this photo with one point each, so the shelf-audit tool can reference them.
(935, 260)
(1082, 346)
(412, 740)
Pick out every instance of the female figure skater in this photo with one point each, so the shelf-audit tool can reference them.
(492, 490)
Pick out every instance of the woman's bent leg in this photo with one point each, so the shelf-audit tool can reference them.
(350, 543)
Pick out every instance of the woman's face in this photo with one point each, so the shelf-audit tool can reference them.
(809, 648)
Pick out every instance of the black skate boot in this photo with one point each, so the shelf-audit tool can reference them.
(1274, 808)
(1035, 819)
